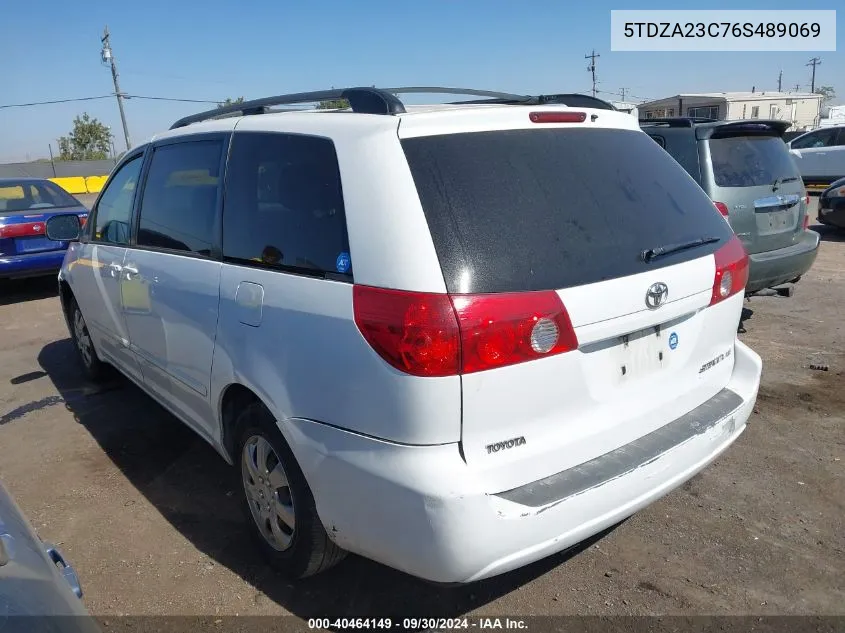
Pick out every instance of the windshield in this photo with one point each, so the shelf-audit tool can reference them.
(518, 210)
(33, 195)
(750, 161)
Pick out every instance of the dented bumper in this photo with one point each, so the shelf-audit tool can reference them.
(422, 510)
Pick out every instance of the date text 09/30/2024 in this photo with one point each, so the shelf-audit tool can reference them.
(418, 624)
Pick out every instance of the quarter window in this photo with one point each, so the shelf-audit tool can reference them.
(114, 210)
(284, 204)
(179, 205)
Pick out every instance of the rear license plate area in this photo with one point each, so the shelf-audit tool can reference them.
(776, 221)
(36, 244)
(644, 352)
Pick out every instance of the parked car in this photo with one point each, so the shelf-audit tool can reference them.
(820, 155)
(25, 206)
(454, 339)
(36, 583)
(832, 205)
(747, 171)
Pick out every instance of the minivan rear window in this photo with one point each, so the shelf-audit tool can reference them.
(750, 161)
(520, 210)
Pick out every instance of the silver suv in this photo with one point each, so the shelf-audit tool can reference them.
(746, 169)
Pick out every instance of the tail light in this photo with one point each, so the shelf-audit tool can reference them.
(83, 219)
(426, 334)
(26, 229)
(806, 220)
(722, 207)
(557, 117)
(731, 270)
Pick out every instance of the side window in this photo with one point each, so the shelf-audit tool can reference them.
(114, 209)
(284, 204)
(822, 138)
(658, 139)
(179, 202)
(841, 138)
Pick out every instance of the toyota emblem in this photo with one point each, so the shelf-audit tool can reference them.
(656, 295)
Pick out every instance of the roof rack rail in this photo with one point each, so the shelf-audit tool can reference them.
(679, 121)
(369, 100)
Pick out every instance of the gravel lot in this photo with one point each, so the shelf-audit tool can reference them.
(147, 512)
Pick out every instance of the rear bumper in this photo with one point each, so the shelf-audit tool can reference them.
(424, 511)
(773, 268)
(31, 264)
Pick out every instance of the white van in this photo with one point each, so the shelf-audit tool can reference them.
(453, 339)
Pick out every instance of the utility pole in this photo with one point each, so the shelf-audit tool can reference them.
(780, 80)
(592, 68)
(814, 62)
(108, 57)
(623, 95)
(797, 87)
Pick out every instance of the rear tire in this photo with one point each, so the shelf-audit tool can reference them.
(277, 501)
(95, 369)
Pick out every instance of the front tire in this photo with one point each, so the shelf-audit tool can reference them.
(95, 369)
(278, 502)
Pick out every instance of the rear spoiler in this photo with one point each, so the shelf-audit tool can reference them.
(755, 127)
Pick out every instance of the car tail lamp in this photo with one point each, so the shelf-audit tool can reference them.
(429, 334)
(806, 221)
(731, 270)
(722, 207)
(557, 117)
(25, 229)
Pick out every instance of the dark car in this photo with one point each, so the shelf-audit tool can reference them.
(25, 206)
(832, 205)
(748, 172)
(39, 591)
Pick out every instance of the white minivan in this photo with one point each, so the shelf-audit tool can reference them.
(454, 339)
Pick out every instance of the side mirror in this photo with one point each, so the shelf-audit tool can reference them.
(64, 228)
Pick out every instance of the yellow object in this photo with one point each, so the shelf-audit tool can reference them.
(72, 184)
(191, 177)
(94, 184)
(135, 295)
(80, 184)
(11, 193)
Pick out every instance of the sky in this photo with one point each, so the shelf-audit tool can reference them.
(210, 50)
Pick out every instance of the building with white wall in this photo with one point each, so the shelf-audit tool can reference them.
(801, 109)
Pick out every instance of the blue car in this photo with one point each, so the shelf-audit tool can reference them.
(25, 206)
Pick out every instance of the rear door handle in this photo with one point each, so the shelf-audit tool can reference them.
(115, 269)
(128, 271)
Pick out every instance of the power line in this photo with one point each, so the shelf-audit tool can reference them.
(37, 103)
(170, 99)
(109, 96)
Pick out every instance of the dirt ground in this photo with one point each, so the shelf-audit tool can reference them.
(147, 512)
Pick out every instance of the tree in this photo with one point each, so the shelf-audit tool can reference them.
(828, 94)
(230, 101)
(89, 140)
(333, 104)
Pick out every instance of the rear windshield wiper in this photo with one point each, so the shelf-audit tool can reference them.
(780, 181)
(653, 253)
